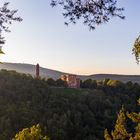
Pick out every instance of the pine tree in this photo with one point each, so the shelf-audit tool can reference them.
(106, 135)
(120, 132)
(135, 117)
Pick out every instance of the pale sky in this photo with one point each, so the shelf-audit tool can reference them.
(43, 38)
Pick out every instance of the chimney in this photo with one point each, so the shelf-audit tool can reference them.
(37, 71)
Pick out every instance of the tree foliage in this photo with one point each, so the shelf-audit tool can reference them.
(92, 12)
(7, 16)
(51, 82)
(136, 49)
(61, 83)
(33, 133)
(120, 132)
(135, 117)
(56, 83)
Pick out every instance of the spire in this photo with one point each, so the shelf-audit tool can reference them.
(37, 71)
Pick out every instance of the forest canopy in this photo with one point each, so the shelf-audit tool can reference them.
(63, 113)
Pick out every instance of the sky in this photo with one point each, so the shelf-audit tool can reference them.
(43, 38)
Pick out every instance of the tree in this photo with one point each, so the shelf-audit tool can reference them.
(136, 49)
(92, 12)
(61, 83)
(135, 117)
(87, 83)
(119, 132)
(106, 135)
(51, 82)
(33, 133)
(7, 16)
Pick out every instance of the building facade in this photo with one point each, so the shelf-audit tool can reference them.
(72, 80)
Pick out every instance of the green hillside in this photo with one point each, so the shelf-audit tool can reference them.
(63, 113)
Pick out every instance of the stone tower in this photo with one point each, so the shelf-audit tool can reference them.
(37, 71)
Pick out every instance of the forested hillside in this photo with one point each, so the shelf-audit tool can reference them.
(63, 113)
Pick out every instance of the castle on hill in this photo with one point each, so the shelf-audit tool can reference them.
(71, 80)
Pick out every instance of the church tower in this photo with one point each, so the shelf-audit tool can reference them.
(37, 71)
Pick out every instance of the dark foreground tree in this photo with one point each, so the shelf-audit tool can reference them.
(92, 12)
(7, 16)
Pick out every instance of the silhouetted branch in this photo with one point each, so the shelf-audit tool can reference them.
(7, 16)
(92, 12)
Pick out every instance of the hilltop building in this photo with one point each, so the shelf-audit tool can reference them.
(72, 80)
(37, 71)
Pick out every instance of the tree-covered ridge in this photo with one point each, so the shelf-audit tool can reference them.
(63, 113)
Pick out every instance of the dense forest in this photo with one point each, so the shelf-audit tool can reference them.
(63, 113)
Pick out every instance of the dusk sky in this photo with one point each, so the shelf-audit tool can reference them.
(43, 38)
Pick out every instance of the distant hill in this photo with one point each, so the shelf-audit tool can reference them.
(30, 69)
(49, 73)
(123, 78)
